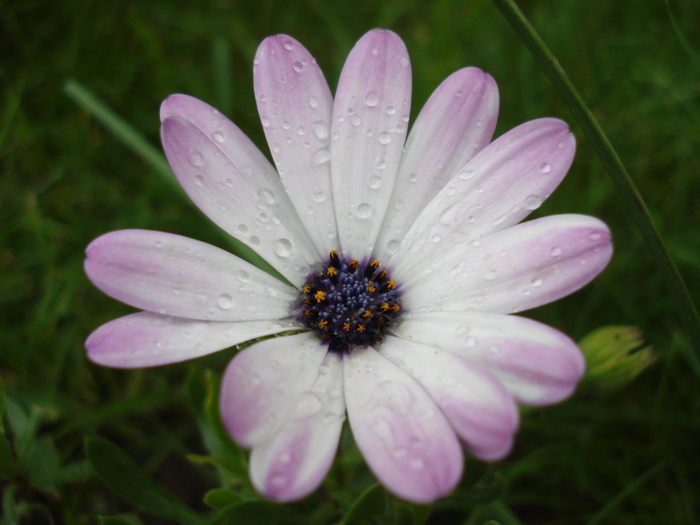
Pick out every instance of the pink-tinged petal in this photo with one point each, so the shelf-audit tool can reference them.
(405, 439)
(295, 106)
(498, 188)
(147, 339)
(475, 403)
(537, 364)
(370, 116)
(250, 206)
(522, 267)
(264, 381)
(294, 462)
(455, 124)
(174, 275)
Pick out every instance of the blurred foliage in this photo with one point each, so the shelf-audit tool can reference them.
(627, 456)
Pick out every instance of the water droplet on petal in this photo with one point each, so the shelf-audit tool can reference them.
(198, 181)
(267, 196)
(319, 196)
(466, 174)
(392, 246)
(404, 62)
(536, 282)
(371, 99)
(594, 236)
(555, 252)
(243, 276)
(313, 102)
(196, 159)
(545, 168)
(298, 66)
(320, 130)
(375, 182)
(225, 301)
(384, 138)
(533, 202)
(321, 156)
(412, 177)
(390, 110)
(364, 210)
(288, 45)
(356, 120)
(283, 247)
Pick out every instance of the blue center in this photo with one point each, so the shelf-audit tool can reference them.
(349, 304)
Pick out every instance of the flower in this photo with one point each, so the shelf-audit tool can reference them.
(404, 259)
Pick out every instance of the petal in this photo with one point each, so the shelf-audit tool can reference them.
(252, 207)
(174, 275)
(522, 267)
(498, 188)
(537, 364)
(295, 105)
(294, 462)
(405, 439)
(147, 339)
(370, 116)
(455, 124)
(263, 382)
(477, 406)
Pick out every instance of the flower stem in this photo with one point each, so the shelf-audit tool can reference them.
(613, 165)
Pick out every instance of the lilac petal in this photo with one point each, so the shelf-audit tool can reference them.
(403, 436)
(370, 116)
(174, 275)
(294, 462)
(522, 267)
(455, 124)
(147, 339)
(477, 406)
(295, 105)
(537, 364)
(498, 188)
(250, 206)
(263, 382)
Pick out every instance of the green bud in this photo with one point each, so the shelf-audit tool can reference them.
(615, 355)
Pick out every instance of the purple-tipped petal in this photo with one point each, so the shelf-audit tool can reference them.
(263, 382)
(475, 403)
(455, 124)
(537, 364)
(251, 206)
(403, 436)
(146, 339)
(173, 275)
(294, 462)
(516, 269)
(498, 188)
(370, 117)
(295, 105)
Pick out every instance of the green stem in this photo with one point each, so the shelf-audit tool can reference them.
(613, 165)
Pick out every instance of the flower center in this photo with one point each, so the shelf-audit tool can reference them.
(348, 304)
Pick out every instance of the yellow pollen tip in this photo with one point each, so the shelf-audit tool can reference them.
(353, 264)
(390, 285)
(395, 307)
(367, 314)
(332, 272)
(384, 307)
(346, 327)
(322, 323)
(360, 328)
(320, 296)
(306, 289)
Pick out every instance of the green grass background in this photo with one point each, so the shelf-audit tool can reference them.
(630, 456)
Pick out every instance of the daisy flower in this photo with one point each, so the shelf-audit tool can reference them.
(404, 259)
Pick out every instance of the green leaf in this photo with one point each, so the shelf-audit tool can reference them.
(121, 474)
(221, 498)
(410, 513)
(371, 503)
(119, 520)
(252, 512)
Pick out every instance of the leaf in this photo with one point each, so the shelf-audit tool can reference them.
(252, 512)
(221, 498)
(410, 513)
(121, 474)
(371, 503)
(119, 520)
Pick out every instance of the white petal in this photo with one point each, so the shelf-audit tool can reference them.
(263, 382)
(498, 188)
(295, 105)
(370, 115)
(477, 406)
(147, 339)
(518, 268)
(537, 364)
(294, 462)
(174, 275)
(455, 124)
(403, 436)
(252, 207)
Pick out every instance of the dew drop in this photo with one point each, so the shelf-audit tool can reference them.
(412, 177)
(545, 168)
(364, 210)
(499, 220)
(243, 276)
(265, 122)
(298, 66)
(466, 174)
(255, 240)
(555, 252)
(319, 196)
(288, 45)
(392, 246)
(594, 236)
(159, 244)
(533, 202)
(390, 110)
(321, 156)
(313, 102)
(404, 62)
(196, 159)
(320, 130)
(384, 138)
(435, 238)
(375, 182)
(283, 247)
(225, 301)
(267, 196)
(536, 282)
(356, 120)
(198, 181)
(242, 228)
(371, 99)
